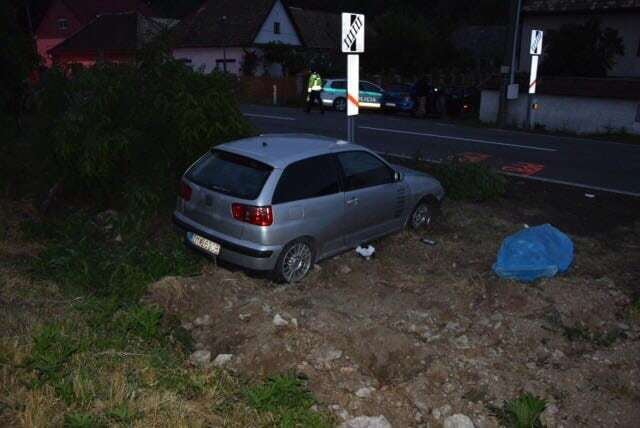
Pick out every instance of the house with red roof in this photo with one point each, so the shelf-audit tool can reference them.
(61, 19)
(112, 37)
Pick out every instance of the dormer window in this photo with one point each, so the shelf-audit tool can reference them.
(276, 28)
(63, 24)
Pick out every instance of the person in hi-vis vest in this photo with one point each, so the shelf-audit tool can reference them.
(314, 89)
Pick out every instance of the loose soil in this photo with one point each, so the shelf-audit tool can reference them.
(419, 332)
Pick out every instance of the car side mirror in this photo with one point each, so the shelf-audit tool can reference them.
(397, 176)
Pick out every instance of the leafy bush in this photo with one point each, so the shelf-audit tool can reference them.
(116, 127)
(470, 181)
(521, 412)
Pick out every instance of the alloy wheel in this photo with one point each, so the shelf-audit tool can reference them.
(421, 216)
(296, 262)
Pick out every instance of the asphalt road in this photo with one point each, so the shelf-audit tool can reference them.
(591, 164)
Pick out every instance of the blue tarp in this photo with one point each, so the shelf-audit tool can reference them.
(533, 253)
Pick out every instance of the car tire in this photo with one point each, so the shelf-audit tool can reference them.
(340, 104)
(421, 216)
(295, 261)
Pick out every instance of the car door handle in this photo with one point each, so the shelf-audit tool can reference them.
(352, 201)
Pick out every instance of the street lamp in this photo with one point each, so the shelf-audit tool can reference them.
(223, 21)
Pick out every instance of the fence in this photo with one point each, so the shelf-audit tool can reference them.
(268, 90)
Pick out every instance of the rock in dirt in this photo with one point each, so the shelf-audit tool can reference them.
(200, 358)
(458, 421)
(321, 357)
(548, 417)
(339, 411)
(202, 321)
(441, 412)
(367, 422)
(365, 392)
(278, 321)
(222, 360)
(345, 270)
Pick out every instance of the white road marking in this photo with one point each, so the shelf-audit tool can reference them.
(528, 177)
(448, 137)
(571, 183)
(268, 116)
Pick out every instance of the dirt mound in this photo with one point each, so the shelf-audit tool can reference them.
(421, 332)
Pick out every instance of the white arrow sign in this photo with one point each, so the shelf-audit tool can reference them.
(352, 33)
(536, 42)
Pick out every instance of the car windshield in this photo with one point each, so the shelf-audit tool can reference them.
(230, 174)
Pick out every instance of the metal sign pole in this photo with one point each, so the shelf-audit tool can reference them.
(352, 44)
(353, 94)
(535, 50)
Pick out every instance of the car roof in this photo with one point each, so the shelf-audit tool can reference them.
(280, 150)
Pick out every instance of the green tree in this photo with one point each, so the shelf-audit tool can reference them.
(581, 50)
(293, 60)
(408, 45)
(173, 8)
(18, 58)
(119, 130)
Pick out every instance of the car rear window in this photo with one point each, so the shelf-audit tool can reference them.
(339, 84)
(230, 174)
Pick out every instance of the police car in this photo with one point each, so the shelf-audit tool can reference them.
(334, 93)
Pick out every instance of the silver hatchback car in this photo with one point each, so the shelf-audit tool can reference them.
(283, 202)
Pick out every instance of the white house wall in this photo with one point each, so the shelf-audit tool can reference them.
(628, 26)
(205, 59)
(582, 115)
(288, 34)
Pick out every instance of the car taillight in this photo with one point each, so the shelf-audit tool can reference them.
(185, 191)
(260, 216)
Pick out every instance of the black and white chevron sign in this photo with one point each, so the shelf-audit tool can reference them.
(352, 33)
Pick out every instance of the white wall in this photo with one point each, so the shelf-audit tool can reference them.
(207, 57)
(628, 26)
(287, 34)
(581, 115)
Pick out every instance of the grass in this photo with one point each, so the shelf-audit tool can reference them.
(79, 348)
(521, 412)
(287, 399)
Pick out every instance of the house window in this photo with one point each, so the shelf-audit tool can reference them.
(220, 64)
(276, 28)
(63, 24)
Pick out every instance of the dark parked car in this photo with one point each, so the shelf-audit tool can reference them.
(462, 101)
(397, 98)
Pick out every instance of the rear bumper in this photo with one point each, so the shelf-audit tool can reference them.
(399, 105)
(243, 254)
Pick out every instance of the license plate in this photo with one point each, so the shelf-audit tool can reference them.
(390, 104)
(205, 244)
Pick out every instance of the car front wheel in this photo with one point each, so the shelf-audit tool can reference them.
(340, 104)
(295, 261)
(421, 216)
